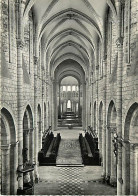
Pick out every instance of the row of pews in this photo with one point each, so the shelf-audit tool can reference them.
(49, 151)
(89, 149)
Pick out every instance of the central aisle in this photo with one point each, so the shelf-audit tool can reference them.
(71, 180)
(69, 152)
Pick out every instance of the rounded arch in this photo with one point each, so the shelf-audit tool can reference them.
(111, 114)
(131, 121)
(131, 151)
(8, 122)
(63, 58)
(111, 130)
(8, 152)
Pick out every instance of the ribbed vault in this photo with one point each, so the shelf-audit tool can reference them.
(68, 28)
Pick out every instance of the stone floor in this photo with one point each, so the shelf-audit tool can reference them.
(71, 180)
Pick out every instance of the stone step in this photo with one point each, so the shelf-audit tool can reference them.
(69, 165)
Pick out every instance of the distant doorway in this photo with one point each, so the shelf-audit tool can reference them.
(69, 102)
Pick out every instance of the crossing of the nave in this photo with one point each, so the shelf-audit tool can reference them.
(69, 97)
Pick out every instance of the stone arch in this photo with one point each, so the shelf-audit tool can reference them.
(8, 152)
(27, 133)
(130, 151)
(28, 140)
(111, 160)
(39, 125)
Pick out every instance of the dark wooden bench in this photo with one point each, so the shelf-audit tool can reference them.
(90, 155)
(48, 153)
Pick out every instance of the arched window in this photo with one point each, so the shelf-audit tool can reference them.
(69, 104)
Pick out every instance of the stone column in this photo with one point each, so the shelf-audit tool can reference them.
(35, 120)
(104, 117)
(0, 82)
(97, 106)
(79, 99)
(59, 101)
(19, 16)
(87, 103)
(133, 169)
(108, 152)
(39, 125)
(100, 137)
(32, 151)
(84, 107)
(13, 166)
(113, 159)
(53, 104)
(26, 151)
(56, 104)
(5, 153)
(26, 143)
(43, 93)
(119, 43)
(126, 168)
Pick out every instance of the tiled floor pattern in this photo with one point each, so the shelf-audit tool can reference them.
(70, 181)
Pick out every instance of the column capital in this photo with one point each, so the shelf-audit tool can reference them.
(31, 129)
(119, 41)
(14, 144)
(112, 129)
(20, 44)
(26, 131)
(36, 59)
(5, 147)
(105, 58)
(97, 67)
(133, 145)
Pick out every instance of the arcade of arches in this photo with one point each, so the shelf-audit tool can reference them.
(66, 66)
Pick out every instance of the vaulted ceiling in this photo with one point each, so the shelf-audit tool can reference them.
(68, 28)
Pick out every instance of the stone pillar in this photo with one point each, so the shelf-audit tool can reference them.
(43, 93)
(26, 143)
(5, 153)
(84, 107)
(13, 166)
(119, 43)
(0, 88)
(100, 137)
(26, 150)
(126, 168)
(19, 16)
(79, 100)
(108, 152)
(35, 120)
(97, 106)
(104, 115)
(133, 169)
(32, 151)
(54, 97)
(87, 103)
(39, 125)
(113, 159)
